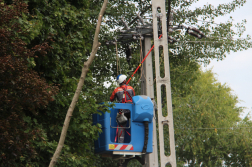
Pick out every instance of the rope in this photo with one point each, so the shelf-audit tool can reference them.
(117, 59)
(116, 134)
(141, 58)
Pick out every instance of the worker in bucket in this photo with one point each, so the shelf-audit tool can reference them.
(122, 94)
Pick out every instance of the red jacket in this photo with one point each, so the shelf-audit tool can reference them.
(119, 91)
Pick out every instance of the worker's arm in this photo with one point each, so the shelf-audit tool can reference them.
(112, 97)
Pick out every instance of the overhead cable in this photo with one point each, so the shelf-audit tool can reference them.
(209, 41)
(232, 128)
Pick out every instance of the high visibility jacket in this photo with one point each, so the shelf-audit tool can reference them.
(119, 91)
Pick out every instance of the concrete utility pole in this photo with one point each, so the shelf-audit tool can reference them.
(147, 88)
(158, 11)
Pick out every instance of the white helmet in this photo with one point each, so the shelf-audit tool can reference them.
(120, 78)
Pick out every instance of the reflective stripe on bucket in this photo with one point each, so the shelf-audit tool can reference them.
(120, 147)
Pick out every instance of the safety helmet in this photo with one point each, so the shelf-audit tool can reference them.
(120, 78)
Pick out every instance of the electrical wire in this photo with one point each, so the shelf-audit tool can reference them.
(208, 41)
(117, 58)
(231, 128)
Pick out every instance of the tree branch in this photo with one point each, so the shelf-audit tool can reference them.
(85, 68)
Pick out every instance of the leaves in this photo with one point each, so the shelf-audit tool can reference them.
(203, 119)
(30, 103)
(23, 91)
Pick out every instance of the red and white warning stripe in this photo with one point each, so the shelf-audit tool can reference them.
(120, 147)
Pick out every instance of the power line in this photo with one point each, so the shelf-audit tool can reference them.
(231, 128)
(210, 41)
(215, 37)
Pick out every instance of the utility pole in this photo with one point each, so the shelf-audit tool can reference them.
(158, 12)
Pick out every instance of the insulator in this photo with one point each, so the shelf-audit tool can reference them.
(198, 31)
(194, 34)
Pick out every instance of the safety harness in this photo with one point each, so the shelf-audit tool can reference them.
(124, 100)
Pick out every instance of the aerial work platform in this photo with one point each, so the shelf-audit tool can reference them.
(139, 126)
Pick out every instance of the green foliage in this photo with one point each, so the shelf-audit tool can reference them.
(219, 36)
(206, 123)
(23, 91)
(68, 27)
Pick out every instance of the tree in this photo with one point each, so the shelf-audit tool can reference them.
(240, 152)
(85, 69)
(71, 25)
(203, 121)
(22, 90)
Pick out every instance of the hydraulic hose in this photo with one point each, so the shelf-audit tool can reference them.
(146, 136)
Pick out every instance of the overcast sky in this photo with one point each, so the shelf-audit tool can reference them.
(235, 70)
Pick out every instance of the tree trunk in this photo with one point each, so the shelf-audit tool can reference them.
(85, 68)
